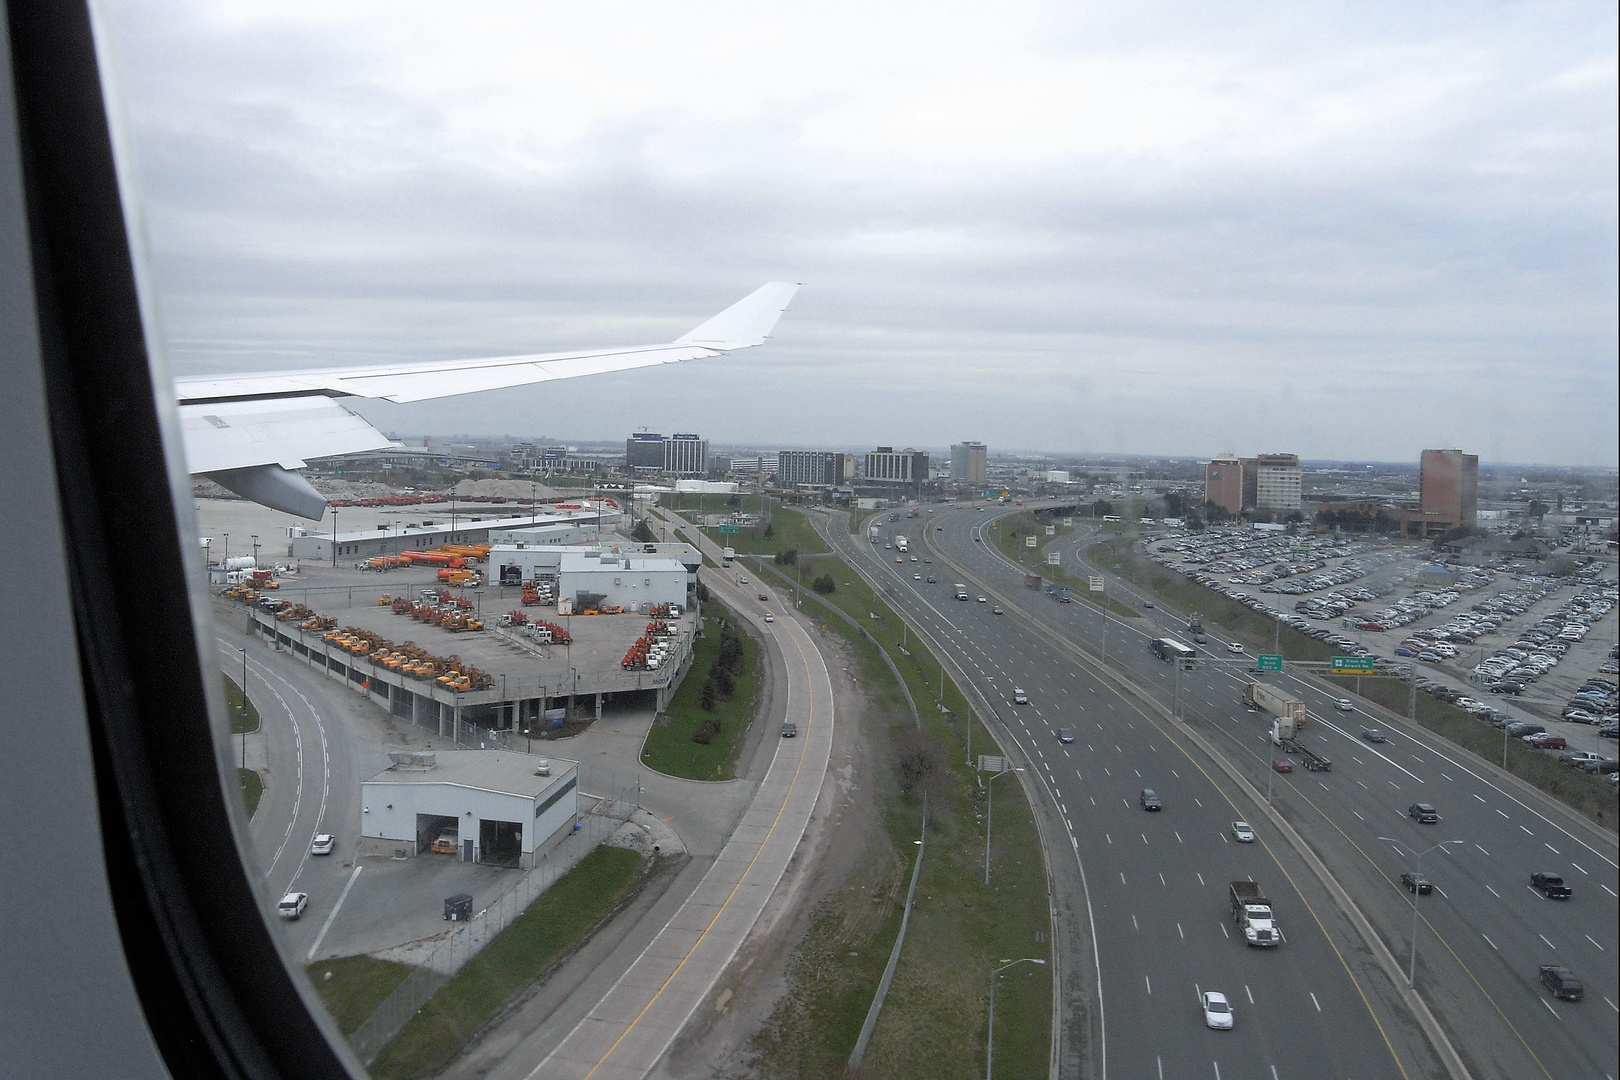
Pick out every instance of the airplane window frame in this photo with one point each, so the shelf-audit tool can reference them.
(220, 994)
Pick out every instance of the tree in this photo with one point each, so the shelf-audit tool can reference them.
(643, 533)
(724, 682)
(1295, 517)
(787, 558)
(1195, 521)
(1327, 518)
(806, 564)
(735, 500)
(1174, 504)
(770, 530)
(824, 584)
(1102, 508)
(1215, 512)
(706, 698)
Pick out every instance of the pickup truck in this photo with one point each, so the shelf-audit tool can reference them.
(1551, 886)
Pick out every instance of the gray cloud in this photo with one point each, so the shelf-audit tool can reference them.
(1342, 231)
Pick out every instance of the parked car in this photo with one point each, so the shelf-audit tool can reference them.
(1546, 741)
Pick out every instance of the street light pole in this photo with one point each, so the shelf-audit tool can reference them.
(334, 537)
(990, 815)
(1411, 969)
(990, 1035)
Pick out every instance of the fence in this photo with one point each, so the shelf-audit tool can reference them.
(617, 801)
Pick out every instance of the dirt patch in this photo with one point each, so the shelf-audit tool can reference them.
(835, 899)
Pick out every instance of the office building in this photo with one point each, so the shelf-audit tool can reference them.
(814, 467)
(648, 453)
(1223, 484)
(968, 463)
(1449, 486)
(885, 465)
(1277, 482)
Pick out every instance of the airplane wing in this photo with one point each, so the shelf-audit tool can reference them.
(251, 433)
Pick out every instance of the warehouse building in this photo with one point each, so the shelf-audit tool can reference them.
(513, 564)
(487, 806)
(633, 581)
(432, 532)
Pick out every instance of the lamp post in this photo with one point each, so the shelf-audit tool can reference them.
(990, 1035)
(334, 537)
(1411, 970)
(255, 539)
(244, 707)
(990, 815)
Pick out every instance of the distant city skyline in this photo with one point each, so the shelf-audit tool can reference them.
(1345, 232)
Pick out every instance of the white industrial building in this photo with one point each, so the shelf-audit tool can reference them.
(438, 528)
(493, 806)
(512, 564)
(575, 533)
(628, 580)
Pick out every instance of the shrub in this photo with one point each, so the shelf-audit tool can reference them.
(706, 732)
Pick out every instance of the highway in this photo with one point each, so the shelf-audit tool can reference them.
(1483, 932)
(1157, 882)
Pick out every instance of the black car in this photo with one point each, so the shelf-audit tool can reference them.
(1562, 982)
(1423, 813)
(1416, 884)
(1551, 886)
(790, 730)
(1150, 800)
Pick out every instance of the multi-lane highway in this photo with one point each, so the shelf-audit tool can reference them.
(1157, 882)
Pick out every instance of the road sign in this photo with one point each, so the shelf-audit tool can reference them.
(1054, 558)
(1029, 541)
(1354, 665)
(1268, 662)
(726, 528)
(990, 764)
(1096, 583)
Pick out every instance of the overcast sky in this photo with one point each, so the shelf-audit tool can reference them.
(1346, 231)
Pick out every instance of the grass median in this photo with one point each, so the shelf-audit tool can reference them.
(352, 987)
(670, 747)
(553, 925)
(934, 1021)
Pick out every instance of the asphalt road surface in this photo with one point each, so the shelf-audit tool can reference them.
(1482, 933)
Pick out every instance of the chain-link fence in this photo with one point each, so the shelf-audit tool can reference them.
(616, 799)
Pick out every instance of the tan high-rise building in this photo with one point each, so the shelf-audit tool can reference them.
(968, 463)
(1278, 482)
(1449, 486)
(1223, 484)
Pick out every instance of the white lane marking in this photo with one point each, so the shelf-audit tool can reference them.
(1527, 831)
(1549, 944)
(1318, 1004)
(1550, 848)
(1134, 924)
(1577, 866)
(1478, 796)
(1200, 877)
(1358, 815)
(327, 925)
(1593, 940)
(1183, 933)
(1224, 934)
(1489, 942)
(1482, 851)
(1551, 1009)
(1149, 983)
(1606, 889)
(1494, 892)
(1179, 840)
(1248, 992)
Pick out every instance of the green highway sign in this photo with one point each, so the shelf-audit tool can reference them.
(1354, 665)
(725, 528)
(1268, 662)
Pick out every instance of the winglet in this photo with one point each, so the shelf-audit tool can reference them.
(747, 322)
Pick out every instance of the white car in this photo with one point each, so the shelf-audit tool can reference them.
(1242, 833)
(1019, 697)
(742, 580)
(1217, 1011)
(769, 617)
(1343, 705)
(984, 599)
(322, 844)
(292, 905)
(1234, 648)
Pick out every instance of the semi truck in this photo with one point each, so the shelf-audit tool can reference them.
(1251, 912)
(1258, 695)
(1032, 581)
(872, 533)
(901, 542)
(959, 590)
(728, 555)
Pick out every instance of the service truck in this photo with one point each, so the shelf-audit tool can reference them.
(872, 533)
(1251, 911)
(959, 590)
(902, 542)
(1032, 581)
(727, 555)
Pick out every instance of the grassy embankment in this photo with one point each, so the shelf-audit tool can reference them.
(351, 987)
(934, 1020)
(1010, 538)
(1586, 794)
(244, 719)
(669, 747)
(562, 917)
